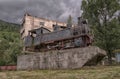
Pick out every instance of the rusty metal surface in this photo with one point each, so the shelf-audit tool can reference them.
(56, 35)
(52, 36)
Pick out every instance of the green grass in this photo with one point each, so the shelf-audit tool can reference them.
(106, 72)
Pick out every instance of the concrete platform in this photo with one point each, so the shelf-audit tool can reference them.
(61, 59)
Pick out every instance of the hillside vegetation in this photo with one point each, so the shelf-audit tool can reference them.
(9, 43)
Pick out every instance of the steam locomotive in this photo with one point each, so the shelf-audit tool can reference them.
(42, 39)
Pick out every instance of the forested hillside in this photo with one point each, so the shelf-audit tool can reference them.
(10, 45)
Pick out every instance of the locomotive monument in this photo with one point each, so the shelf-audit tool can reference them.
(61, 46)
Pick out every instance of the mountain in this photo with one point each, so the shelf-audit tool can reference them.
(6, 26)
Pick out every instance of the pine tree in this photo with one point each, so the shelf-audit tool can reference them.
(69, 21)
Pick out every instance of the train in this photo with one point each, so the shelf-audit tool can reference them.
(61, 38)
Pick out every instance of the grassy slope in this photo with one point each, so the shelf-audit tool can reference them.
(111, 72)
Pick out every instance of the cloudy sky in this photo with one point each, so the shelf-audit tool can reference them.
(14, 10)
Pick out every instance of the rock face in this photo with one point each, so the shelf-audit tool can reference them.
(61, 59)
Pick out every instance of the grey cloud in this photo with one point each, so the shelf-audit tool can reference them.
(13, 10)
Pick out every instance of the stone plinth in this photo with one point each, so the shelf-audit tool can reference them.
(61, 59)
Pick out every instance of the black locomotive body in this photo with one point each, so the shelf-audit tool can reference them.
(61, 38)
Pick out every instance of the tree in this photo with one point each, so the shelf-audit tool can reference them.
(10, 44)
(102, 19)
(10, 47)
(69, 21)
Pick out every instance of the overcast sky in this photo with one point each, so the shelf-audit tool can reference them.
(13, 10)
